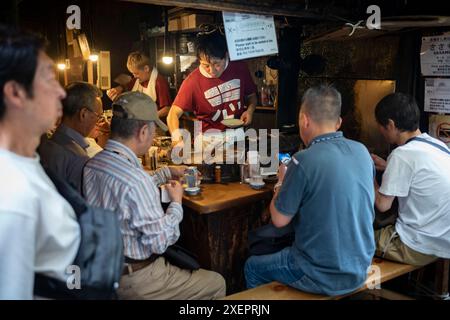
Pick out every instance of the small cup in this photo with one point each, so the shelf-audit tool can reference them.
(164, 195)
(257, 180)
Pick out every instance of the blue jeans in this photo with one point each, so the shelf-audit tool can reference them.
(279, 267)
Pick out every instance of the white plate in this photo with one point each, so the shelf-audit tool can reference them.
(232, 123)
(257, 185)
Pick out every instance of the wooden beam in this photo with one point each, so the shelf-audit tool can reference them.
(263, 7)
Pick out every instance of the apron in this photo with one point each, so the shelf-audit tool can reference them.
(151, 87)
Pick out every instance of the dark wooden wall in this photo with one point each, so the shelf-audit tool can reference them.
(108, 25)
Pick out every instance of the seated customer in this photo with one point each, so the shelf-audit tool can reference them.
(39, 232)
(328, 196)
(114, 179)
(417, 172)
(66, 152)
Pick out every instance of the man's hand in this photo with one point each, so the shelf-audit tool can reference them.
(175, 191)
(113, 93)
(247, 117)
(177, 171)
(179, 144)
(380, 163)
(101, 132)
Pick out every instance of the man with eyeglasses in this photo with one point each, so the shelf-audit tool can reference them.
(66, 152)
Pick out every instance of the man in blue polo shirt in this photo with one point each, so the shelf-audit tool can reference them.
(328, 194)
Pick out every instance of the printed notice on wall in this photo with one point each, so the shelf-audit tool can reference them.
(249, 35)
(440, 128)
(435, 56)
(437, 95)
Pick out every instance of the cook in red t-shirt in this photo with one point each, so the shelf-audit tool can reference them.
(162, 90)
(215, 99)
(218, 89)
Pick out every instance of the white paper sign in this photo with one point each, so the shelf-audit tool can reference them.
(437, 95)
(440, 128)
(435, 56)
(249, 35)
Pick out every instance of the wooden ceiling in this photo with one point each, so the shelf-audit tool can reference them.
(328, 19)
(290, 8)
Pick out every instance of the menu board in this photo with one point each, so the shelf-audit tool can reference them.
(437, 95)
(249, 35)
(435, 55)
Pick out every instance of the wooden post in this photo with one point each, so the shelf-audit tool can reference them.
(65, 77)
(90, 71)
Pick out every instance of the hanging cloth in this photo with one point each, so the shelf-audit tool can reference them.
(151, 86)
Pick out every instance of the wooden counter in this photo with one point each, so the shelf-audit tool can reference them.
(218, 197)
(216, 224)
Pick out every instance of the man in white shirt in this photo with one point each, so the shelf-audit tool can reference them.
(417, 172)
(39, 232)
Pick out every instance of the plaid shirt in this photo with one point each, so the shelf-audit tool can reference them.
(114, 179)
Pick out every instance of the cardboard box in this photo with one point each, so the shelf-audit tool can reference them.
(194, 21)
(185, 22)
(174, 24)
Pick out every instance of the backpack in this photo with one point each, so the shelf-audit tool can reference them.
(269, 239)
(100, 255)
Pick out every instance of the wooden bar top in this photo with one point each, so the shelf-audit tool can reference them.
(220, 196)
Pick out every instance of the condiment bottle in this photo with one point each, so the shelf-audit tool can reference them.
(218, 174)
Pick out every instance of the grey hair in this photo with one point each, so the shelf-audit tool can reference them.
(80, 95)
(322, 103)
(126, 128)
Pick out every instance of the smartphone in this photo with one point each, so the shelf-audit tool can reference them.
(284, 158)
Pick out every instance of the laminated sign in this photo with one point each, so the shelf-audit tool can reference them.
(435, 56)
(249, 35)
(437, 95)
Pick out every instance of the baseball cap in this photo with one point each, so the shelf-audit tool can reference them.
(137, 106)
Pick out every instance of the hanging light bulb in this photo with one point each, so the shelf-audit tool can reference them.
(167, 59)
(61, 66)
(93, 57)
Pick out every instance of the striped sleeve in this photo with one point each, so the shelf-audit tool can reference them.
(158, 230)
(161, 175)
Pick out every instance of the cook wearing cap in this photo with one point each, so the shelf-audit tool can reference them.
(137, 106)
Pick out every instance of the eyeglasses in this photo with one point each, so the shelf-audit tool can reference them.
(99, 116)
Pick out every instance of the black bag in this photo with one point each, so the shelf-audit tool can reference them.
(270, 239)
(100, 255)
(182, 258)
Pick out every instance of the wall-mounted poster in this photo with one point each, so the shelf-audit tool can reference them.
(435, 56)
(437, 95)
(440, 128)
(249, 35)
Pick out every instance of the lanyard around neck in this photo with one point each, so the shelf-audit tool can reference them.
(430, 143)
(335, 136)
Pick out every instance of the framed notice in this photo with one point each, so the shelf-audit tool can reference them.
(440, 128)
(435, 56)
(249, 35)
(437, 95)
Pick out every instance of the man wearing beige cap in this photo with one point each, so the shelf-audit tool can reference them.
(114, 179)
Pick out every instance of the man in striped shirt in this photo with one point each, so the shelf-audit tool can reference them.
(114, 179)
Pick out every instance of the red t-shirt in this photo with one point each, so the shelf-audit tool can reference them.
(215, 99)
(162, 91)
